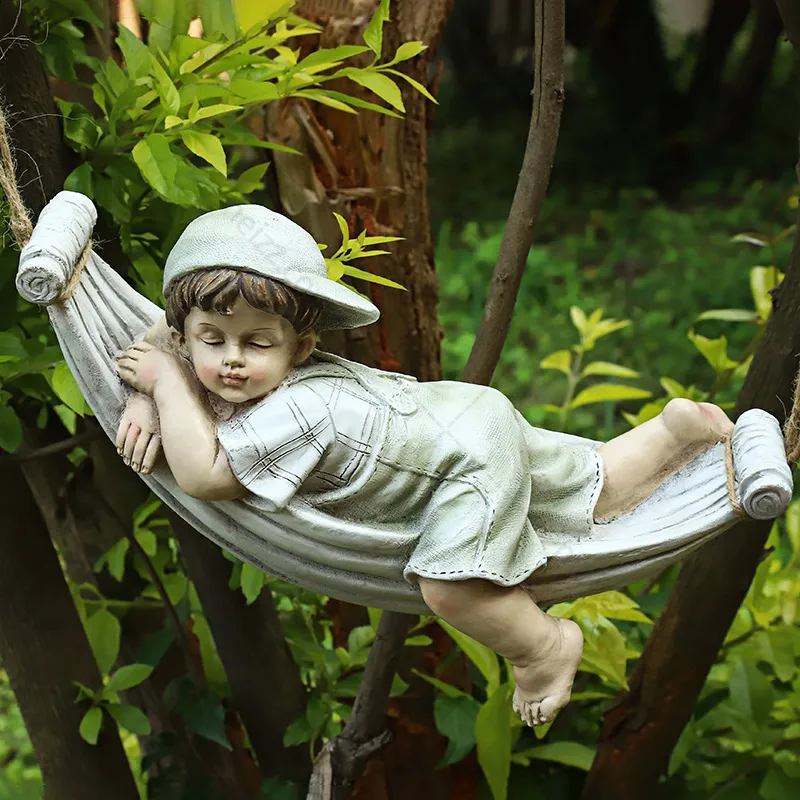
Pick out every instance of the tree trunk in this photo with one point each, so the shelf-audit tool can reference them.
(640, 732)
(724, 22)
(266, 687)
(37, 621)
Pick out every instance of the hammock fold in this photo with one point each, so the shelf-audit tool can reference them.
(104, 315)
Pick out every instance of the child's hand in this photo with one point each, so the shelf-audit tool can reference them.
(142, 365)
(138, 440)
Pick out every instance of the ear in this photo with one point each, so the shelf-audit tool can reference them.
(306, 343)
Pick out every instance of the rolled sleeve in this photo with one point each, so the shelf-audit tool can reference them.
(274, 447)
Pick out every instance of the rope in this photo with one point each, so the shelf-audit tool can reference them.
(22, 228)
(21, 225)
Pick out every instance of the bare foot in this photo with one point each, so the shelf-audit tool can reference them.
(693, 423)
(636, 463)
(544, 683)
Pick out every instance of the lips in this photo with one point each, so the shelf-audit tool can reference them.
(233, 380)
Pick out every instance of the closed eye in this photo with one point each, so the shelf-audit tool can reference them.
(260, 346)
(212, 343)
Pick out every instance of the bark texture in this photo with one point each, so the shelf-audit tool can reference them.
(38, 620)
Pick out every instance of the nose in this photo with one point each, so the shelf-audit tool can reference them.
(233, 358)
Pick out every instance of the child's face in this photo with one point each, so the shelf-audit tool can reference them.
(245, 354)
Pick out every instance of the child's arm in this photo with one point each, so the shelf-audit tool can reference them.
(138, 435)
(188, 425)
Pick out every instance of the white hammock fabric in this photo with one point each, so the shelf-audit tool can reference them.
(104, 315)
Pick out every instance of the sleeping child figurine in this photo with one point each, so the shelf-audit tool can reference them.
(229, 384)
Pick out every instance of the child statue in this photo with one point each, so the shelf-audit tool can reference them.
(244, 407)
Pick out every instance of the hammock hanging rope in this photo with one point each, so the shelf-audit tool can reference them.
(96, 317)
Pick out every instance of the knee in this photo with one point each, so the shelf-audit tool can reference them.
(441, 597)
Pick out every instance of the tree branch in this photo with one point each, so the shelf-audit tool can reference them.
(537, 163)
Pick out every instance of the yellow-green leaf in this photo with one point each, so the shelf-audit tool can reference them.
(408, 50)
(578, 318)
(354, 272)
(171, 121)
(65, 386)
(212, 111)
(208, 147)
(762, 281)
(493, 735)
(380, 84)
(607, 368)
(608, 392)
(715, 351)
(560, 360)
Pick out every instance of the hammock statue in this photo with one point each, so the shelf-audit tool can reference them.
(560, 551)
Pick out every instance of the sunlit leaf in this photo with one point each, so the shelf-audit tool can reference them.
(560, 360)
(609, 392)
(208, 147)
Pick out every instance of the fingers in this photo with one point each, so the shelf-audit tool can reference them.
(130, 443)
(139, 449)
(122, 433)
(151, 455)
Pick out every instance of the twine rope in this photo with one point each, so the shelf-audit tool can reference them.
(20, 220)
(22, 229)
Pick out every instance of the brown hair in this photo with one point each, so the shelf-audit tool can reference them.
(217, 289)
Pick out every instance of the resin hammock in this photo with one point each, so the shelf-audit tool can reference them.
(96, 315)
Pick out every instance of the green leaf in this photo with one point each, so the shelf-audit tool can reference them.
(208, 147)
(137, 57)
(494, 737)
(11, 348)
(750, 691)
(90, 725)
(608, 392)
(607, 368)
(128, 676)
(212, 111)
(456, 718)
(715, 351)
(115, 559)
(329, 57)
(324, 97)
(446, 688)
(80, 180)
(65, 386)
(407, 50)
(169, 174)
(730, 315)
(252, 582)
(380, 84)
(751, 238)
(360, 638)
(578, 319)
(147, 541)
(103, 631)
(373, 35)
(10, 429)
(299, 731)
(762, 281)
(418, 86)
(205, 716)
(251, 179)
(355, 272)
(166, 89)
(571, 754)
(560, 360)
(130, 718)
(604, 651)
(480, 655)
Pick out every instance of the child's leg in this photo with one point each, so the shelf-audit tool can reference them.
(544, 650)
(636, 463)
